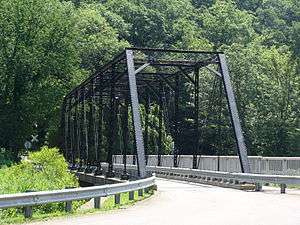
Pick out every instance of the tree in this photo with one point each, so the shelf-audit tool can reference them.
(224, 24)
(97, 41)
(267, 89)
(36, 50)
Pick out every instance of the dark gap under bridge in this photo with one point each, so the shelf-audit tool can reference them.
(139, 98)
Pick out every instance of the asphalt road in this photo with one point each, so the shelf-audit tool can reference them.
(179, 203)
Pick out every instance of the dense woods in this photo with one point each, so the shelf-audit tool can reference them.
(49, 46)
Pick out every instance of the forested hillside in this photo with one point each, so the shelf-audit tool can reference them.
(49, 46)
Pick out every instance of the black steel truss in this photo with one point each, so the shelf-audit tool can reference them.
(140, 76)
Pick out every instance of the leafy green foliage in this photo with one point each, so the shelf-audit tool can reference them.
(97, 40)
(225, 24)
(267, 87)
(43, 170)
(6, 158)
(33, 66)
(49, 46)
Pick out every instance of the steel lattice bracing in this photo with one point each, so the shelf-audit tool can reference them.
(95, 113)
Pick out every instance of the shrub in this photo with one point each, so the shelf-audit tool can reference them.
(6, 158)
(42, 170)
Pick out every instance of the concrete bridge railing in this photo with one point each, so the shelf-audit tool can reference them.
(27, 200)
(258, 164)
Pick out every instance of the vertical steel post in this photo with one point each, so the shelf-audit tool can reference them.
(196, 119)
(73, 136)
(147, 112)
(77, 125)
(90, 129)
(136, 114)
(219, 126)
(176, 120)
(99, 170)
(85, 127)
(90, 132)
(95, 130)
(81, 131)
(160, 125)
(63, 127)
(125, 132)
(242, 150)
(111, 129)
(68, 131)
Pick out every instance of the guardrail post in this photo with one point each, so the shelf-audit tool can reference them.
(97, 202)
(28, 211)
(258, 187)
(140, 192)
(117, 199)
(131, 195)
(68, 206)
(147, 190)
(282, 188)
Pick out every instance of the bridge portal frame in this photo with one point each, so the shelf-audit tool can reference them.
(134, 74)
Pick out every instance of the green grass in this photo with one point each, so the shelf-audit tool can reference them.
(293, 186)
(109, 204)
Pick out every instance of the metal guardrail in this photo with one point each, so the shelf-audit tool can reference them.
(68, 195)
(221, 177)
(242, 177)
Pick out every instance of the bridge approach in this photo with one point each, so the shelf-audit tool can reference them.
(182, 203)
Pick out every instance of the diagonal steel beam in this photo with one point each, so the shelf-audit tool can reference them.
(234, 115)
(184, 72)
(136, 115)
(141, 68)
(214, 71)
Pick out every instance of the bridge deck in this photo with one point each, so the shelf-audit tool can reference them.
(183, 204)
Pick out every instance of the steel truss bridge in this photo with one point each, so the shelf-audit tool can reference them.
(106, 107)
